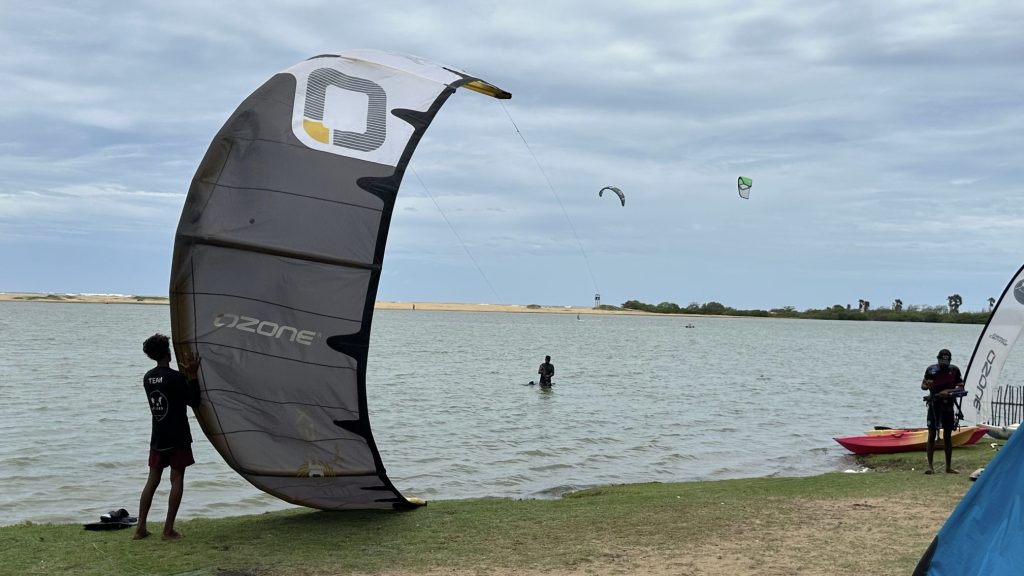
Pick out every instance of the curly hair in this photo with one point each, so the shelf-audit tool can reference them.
(157, 347)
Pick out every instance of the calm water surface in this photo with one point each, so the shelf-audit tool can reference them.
(636, 399)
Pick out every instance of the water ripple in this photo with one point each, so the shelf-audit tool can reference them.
(637, 399)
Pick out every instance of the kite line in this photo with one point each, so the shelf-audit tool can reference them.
(459, 238)
(555, 194)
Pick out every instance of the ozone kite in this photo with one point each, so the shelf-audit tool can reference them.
(743, 185)
(981, 379)
(277, 261)
(622, 197)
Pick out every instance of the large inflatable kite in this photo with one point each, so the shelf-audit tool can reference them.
(277, 260)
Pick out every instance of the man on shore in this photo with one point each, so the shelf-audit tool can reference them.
(941, 380)
(169, 391)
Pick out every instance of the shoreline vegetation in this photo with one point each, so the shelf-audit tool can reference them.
(877, 518)
(913, 313)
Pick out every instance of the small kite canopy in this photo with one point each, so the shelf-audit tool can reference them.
(277, 259)
(743, 184)
(622, 197)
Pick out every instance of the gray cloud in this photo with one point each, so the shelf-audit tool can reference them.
(882, 138)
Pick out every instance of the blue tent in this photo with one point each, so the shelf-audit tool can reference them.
(985, 533)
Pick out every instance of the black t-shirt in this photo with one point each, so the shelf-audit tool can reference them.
(169, 392)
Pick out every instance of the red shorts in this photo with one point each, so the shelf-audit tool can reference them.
(176, 458)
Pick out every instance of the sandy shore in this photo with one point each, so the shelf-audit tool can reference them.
(81, 298)
(524, 308)
(380, 305)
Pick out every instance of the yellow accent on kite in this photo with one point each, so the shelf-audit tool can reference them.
(487, 89)
(415, 500)
(317, 131)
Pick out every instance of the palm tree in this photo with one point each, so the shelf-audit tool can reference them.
(954, 303)
(991, 304)
(897, 305)
(860, 305)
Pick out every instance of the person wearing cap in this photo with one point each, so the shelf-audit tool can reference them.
(546, 371)
(941, 380)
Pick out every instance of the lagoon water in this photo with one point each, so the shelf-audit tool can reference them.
(636, 399)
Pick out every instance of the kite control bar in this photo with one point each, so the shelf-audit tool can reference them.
(954, 394)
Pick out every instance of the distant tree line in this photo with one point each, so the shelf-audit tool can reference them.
(897, 313)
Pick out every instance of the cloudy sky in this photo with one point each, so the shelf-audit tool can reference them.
(884, 140)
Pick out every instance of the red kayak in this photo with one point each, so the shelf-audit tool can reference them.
(890, 441)
(979, 432)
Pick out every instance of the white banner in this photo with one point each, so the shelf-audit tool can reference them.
(994, 345)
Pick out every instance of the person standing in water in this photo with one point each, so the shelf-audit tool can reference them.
(941, 380)
(170, 444)
(546, 371)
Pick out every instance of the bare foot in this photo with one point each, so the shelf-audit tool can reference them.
(951, 471)
(929, 471)
(140, 534)
(172, 535)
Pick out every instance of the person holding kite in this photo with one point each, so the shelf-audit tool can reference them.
(168, 391)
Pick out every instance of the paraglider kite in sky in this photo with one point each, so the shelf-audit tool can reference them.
(622, 197)
(743, 184)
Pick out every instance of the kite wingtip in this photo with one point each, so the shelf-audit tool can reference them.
(411, 503)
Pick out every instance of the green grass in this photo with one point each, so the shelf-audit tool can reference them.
(813, 525)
